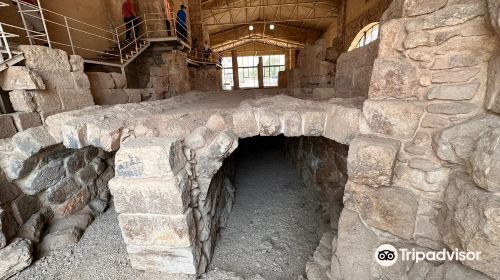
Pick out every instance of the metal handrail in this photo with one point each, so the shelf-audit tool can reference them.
(126, 50)
(203, 57)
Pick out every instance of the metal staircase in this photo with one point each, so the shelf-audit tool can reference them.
(9, 56)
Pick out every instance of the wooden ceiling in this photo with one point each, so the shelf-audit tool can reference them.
(296, 22)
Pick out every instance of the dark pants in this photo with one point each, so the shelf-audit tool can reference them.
(169, 31)
(129, 22)
(182, 32)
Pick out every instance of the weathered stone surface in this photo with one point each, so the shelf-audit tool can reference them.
(41, 179)
(313, 123)
(492, 100)
(393, 118)
(119, 79)
(150, 158)
(22, 101)
(20, 78)
(421, 7)
(197, 139)
(456, 108)
(8, 191)
(393, 77)
(47, 101)
(453, 92)
(101, 80)
(73, 99)
(74, 204)
(151, 196)
(435, 121)
(25, 120)
(45, 58)
(456, 76)
(494, 12)
(15, 257)
(342, 131)
(7, 127)
(76, 63)
(57, 79)
(323, 93)
(58, 240)
(62, 191)
(216, 123)
(32, 229)
(24, 206)
(110, 96)
(456, 144)
(471, 223)
(485, 161)
(371, 160)
(269, 122)
(175, 231)
(86, 176)
(244, 122)
(81, 80)
(164, 258)
(135, 95)
(292, 124)
(390, 209)
(355, 246)
(221, 146)
(454, 14)
(80, 220)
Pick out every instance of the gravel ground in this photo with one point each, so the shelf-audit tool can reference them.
(270, 233)
(273, 226)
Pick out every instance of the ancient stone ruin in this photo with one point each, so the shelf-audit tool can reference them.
(400, 139)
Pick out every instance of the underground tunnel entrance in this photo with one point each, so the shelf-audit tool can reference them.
(287, 195)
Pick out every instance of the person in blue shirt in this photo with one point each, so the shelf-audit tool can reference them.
(181, 25)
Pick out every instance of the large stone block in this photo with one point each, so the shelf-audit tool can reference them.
(120, 80)
(165, 259)
(101, 80)
(20, 78)
(221, 146)
(15, 257)
(393, 77)
(452, 15)
(110, 96)
(244, 122)
(47, 101)
(313, 122)
(494, 11)
(151, 196)
(45, 58)
(342, 123)
(371, 160)
(398, 119)
(391, 209)
(7, 127)
(355, 246)
(421, 7)
(57, 79)
(150, 158)
(471, 223)
(33, 140)
(22, 101)
(175, 231)
(453, 92)
(81, 80)
(73, 99)
(292, 124)
(26, 120)
(485, 161)
(269, 122)
(455, 144)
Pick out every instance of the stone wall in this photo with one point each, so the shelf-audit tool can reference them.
(314, 69)
(49, 194)
(420, 173)
(205, 78)
(111, 88)
(50, 82)
(322, 164)
(354, 71)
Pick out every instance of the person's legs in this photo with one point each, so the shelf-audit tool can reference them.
(169, 33)
(128, 26)
(137, 28)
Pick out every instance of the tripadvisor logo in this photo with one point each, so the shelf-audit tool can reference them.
(387, 255)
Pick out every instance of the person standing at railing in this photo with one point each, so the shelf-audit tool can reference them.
(32, 19)
(130, 19)
(168, 17)
(206, 51)
(181, 25)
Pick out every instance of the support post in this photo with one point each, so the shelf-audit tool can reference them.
(260, 68)
(236, 79)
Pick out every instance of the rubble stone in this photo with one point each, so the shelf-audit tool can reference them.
(7, 128)
(15, 257)
(24, 206)
(25, 120)
(22, 101)
(485, 161)
(76, 63)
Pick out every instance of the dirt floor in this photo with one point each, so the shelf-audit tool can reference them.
(273, 226)
(271, 232)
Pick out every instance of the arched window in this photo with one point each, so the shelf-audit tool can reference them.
(366, 36)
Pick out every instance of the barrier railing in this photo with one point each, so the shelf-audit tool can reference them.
(117, 46)
(205, 57)
(8, 56)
